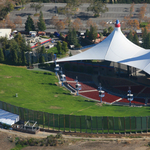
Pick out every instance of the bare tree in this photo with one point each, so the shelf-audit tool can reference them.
(18, 21)
(36, 6)
(60, 25)
(54, 20)
(131, 9)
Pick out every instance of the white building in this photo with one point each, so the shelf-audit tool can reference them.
(5, 33)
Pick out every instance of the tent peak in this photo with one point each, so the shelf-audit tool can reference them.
(117, 25)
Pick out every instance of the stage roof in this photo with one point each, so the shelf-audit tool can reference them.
(117, 48)
(8, 118)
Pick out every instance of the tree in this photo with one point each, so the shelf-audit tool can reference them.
(29, 24)
(1, 55)
(130, 36)
(9, 23)
(14, 50)
(18, 21)
(72, 37)
(131, 9)
(105, 31)
(18, 39)
(37, 6)
(87, 33)
(93, 33)
(134, 24)
(41, 22)
(59, 47)
(97, 7)
(144, 34)
(135, 39)
(54, 20)
(42, 51)
(24, 61)
(142, 12)
(60, 25)
(146, 42)
(110, 29)
(77, 24)
(64, 47)
(71, 7)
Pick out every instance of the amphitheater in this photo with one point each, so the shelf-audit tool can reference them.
(122, 65)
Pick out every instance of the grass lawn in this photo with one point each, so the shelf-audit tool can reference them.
(37, 90)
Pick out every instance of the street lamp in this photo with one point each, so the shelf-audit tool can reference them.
(62, 78)
(101, 92)
(130, 96)
(56, 68)
(78, 86)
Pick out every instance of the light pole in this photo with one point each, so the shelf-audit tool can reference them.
(56, 65)
(78, 86)
(130, 96)
(101, 92)
(62, 76)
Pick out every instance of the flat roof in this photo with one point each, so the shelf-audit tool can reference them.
(8, 118)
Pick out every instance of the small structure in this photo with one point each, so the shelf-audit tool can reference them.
(130, 96)
(5, 33)
(29, 127)
(8, 118)
(78, 86)
(101, 92)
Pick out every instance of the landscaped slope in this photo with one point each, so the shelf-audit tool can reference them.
(37, 90)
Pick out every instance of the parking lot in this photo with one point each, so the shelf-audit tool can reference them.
(116, 11)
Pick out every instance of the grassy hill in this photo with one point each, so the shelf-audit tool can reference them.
(38, 90)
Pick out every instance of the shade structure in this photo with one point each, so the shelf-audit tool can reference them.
(116, 48)
(8, 118)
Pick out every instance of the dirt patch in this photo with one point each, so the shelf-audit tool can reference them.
(8, 77)
(55, 95)
(99, 104)
(100, 142)
(18, 76)
(55, 107)
(1, 92)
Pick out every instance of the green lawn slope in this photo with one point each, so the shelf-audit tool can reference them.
(38, 90)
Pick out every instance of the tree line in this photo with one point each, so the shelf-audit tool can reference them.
(133, 37)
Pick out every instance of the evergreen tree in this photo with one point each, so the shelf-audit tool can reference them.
(29, 24)
(93, 33)
(64, 47)
(41, 23)
(72, 37)
(110, 29)
(130, 36)
(59, 47)
(18, 38)
(105, 31)
(146, 42)
(43, 51)
(13, 56)
(42, 59)
(14, 50)
(1, 55)
(87, 33)
(144, 34)
(19, 59)
(24, 61)
(135, 39)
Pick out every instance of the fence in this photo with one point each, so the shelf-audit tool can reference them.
(85, 124)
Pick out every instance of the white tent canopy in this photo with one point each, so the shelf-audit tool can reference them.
(8, 118)
(117, 48)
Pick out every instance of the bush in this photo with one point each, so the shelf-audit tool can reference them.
(51, 35)
(96, 15)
